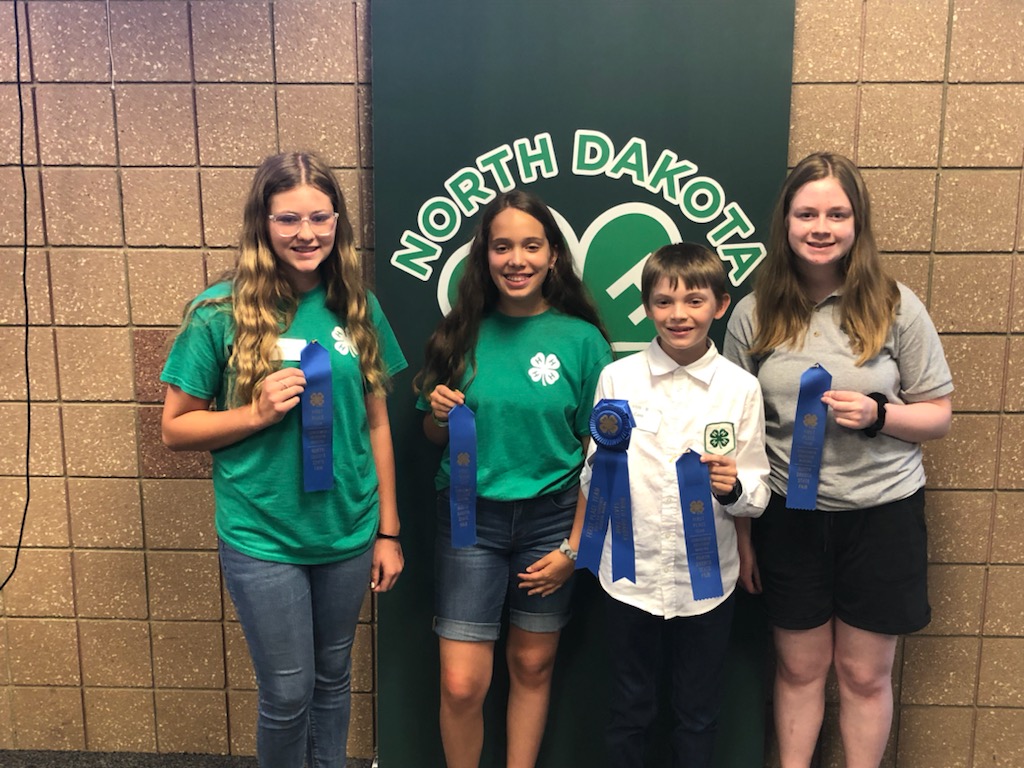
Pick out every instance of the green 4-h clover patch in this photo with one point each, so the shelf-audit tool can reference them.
(720, 438)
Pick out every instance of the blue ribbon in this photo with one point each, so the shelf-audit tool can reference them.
(808, 439)
(317, 409)
(699, 526)
(462, 461)
(611, 423)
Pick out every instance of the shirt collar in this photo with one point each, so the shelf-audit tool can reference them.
(702, 369)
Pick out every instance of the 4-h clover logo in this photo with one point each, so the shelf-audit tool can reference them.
(462, 459)
(608, 424)
(720, 438)
(810, 420)
(697, 507)
(342, 342)
(317, 399)
(544, 368)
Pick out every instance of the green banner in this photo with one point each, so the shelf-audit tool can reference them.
(639, 123)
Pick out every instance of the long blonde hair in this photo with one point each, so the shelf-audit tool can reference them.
(263, 302)
(870, 297)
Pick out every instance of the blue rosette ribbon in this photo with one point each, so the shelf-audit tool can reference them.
(462, 462)
(808, 439)
(316, 405)
(611, 424)
(699, 526)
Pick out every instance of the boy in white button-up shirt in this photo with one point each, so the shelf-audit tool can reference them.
(683, 396)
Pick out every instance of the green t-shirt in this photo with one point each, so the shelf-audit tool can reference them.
(532, 393)
(262, 510)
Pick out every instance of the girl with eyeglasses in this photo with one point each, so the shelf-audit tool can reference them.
(296, 562)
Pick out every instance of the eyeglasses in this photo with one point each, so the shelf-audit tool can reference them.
(290, 224)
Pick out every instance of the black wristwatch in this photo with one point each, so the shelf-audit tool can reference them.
(873, 429)
(732, 496)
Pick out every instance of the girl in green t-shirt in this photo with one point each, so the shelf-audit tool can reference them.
(295, 562)
(522, 348)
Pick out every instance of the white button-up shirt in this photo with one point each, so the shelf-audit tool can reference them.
(676, 408)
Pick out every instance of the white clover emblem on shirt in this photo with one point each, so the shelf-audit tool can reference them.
(342, 342)
(544, 368)
(720, 438)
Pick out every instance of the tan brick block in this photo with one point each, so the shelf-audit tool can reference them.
(238, 661)
(42, 364)
(242, 708)
(364, 54)
(160, 461)
(9, 53)
(43, 652)
(903, 206)
(105, 512)
(150, 41)
(822, 118)
(361, 729)
(899, 125)
(46, 524)
(1011, 454)
(12, 298)
(940, 670)
(184, 585)
(179, 514)
(11, 122)
(95, 364)
(119, 720)
(362, 660)
(6, 731)
(41, 586)
(48, 718)
(100, 440)
(231, 42)
(161, 206)
(958, 526)
(188, 654)
(1014, 398)
(905, 42)
(966, 457)
(832, 57)
(978, 364)
(13, 200)
(979, 281)
(46, 455)
(999, 738)
(351, 183)
(192, 721)
(156, 124)
(315, 42)
(69, 41)
(116, 653)
(1017, 310)
(367, 611)
(956, 594)
(984, 126)
(320, 118)
(83, 206)
(986, 37)
(89, 287)
(976, 211)
(1002, 669)
(1004, 610)
(236, 124)
(935, 736)
(110, 585)
(151, 346)
(223, 192)
(1007, 539)
(365, 126)
(218, 263)
(76, 124)
(162, 283)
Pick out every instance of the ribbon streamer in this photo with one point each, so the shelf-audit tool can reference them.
(462, 460)
(808, 439)
(317, 410)
(699, 526)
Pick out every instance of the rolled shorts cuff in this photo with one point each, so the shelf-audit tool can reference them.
(468, 631)
(538, 622)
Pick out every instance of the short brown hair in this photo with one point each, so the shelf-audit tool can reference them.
(696, 265)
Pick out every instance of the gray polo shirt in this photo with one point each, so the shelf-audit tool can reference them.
(856, 471)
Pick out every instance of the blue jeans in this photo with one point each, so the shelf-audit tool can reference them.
(474, 584)
(299, 622)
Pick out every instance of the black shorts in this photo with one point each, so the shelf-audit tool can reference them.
(867, 567)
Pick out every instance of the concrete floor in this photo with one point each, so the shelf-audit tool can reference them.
(30, 759)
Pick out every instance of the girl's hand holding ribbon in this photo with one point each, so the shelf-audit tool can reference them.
(279, 394)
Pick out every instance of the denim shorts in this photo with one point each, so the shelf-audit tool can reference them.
(473, 584)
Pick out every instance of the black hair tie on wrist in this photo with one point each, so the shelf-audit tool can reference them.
(382, 535)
